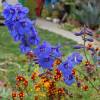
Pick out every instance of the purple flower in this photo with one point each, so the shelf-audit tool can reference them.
(85, 30)
(78, 34)
(78, 47)
(89, 32)
(88, 39)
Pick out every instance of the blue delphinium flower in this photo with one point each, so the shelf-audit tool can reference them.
(14, 12)
(9, 12)
(24, 45)
(45, 47)
(75, 58)
(69, 79)
(25, 48)
(20, 26)
(46, 54)
(46, 61)
(21, 11)
(67, 67)
(56, 51)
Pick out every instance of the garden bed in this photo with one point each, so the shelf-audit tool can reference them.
(9, 50)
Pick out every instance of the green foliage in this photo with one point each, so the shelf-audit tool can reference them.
(11, 74)
(89, 14)
(68, 27)
(31, 4)
(22, 1)
(11, 48)
(55, 14)
(69, 1)
(45, 13)
(4, 93)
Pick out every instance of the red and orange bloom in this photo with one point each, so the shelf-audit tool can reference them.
(34, 75)
(52, 91)
(74, 72)
(37, 87)
(97, 49)
(14, 94)
(21, 81)
(87, 63)
(57, 62)
(61, 91)
(89, 46)
(85, 87)
(21, 94)
(58, 75)
(25, 83)
(20, 78)
(47, 84)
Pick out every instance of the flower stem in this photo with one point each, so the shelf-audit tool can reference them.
(85, 48)
(88, 80)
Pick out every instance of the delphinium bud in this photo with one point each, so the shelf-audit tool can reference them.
(88, 39)
(84, 31)
(78, 84)
(78, 34)
(78, 47)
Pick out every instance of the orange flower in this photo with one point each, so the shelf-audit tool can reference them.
(61, 91)
(37, 87)
(20, 78)
(89, 46)
(14, 94)
(74, 72)
(58, 75)
(44, 79)
(25, 83)
(36, 98)
(21, 94)
(52, 90)
(57, 62)
(85, 87)
(87, 63)
(97, 49)
(34, 75)
(47, 84)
